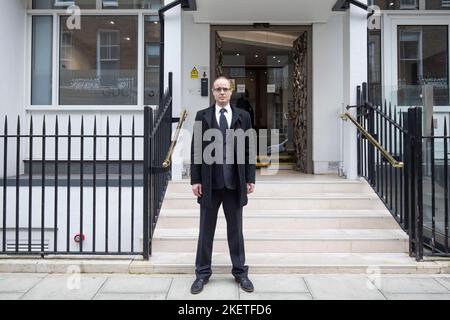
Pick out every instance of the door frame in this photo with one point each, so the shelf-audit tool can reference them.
(294, 28)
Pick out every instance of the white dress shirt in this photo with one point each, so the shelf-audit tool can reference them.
(228, 114)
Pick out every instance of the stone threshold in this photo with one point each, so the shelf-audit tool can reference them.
(137, 265)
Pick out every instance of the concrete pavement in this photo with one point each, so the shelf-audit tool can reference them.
(75, 286)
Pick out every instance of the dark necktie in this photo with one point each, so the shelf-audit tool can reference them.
(223, 122)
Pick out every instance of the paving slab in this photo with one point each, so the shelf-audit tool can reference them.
(444, 281)
(136, 284)
(417, 296)
(15, 283)
(131, 296)
(10, 296)
(216, 289)
(342, 288)
(278, 283)
(66, 287)
(275, 296)
(408, 285)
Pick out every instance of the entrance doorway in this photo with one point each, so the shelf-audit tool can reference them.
(270, 73)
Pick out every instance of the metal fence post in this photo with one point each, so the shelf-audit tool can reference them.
(419, 208)
(371, 130)
(411, 186)
(146, 194)
(415, 213)
(360, 143)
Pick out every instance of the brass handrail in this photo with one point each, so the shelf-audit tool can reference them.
(396, 164)
(168, 159)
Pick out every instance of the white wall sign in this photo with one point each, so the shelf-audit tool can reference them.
(241, 88)
(271, 88)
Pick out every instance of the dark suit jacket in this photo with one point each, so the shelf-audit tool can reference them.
(202, 173)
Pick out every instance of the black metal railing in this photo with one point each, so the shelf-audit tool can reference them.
(407, 171)
(157, 140)
(78, 191)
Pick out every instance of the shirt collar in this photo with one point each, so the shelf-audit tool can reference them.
(227, 107)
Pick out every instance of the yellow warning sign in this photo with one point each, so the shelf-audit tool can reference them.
(194, 73)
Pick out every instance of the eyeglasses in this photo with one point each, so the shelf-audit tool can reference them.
(221, 89)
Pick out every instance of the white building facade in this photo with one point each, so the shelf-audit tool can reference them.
(103, 61)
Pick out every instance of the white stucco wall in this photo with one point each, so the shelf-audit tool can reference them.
(355, 73)
(172, 53)
(195, 45)
(327, 93)
(12, 37)
(12, 66)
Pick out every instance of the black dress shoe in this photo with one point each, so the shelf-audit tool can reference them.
(197, 286)
(246, 284)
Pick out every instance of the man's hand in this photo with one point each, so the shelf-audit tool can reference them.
(250, 187)
(197, 190)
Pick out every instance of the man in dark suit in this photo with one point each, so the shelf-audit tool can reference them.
(222, 181)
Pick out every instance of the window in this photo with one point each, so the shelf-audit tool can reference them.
(108, 56)
(92, 4)
(409, 4)
(374, 60)
(422, 60)
(438, 4)
(66, 50)
(41, 73)
(395, 4)
(61, 4)
(98, 63)
(132, 4)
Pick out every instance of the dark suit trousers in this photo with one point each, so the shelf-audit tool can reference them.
(208, 219)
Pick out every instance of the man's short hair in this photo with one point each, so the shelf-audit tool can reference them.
(222, 78)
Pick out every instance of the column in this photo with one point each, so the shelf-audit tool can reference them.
(355, 73)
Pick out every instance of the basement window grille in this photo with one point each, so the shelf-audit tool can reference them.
(23, 246)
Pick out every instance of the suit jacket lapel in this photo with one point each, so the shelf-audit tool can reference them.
(235, 117)
(210, 113)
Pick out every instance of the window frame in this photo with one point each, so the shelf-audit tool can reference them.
(419, 58)
(99, 47)
(391, 22)
(57, 14)
(67, 47)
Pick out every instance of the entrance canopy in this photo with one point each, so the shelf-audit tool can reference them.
(270, 11)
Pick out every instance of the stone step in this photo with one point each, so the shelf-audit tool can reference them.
(275, 213)
(287, 219)
(290, 241)
(324, 201)
(283, 263)
(371, 264)
(288, 188)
